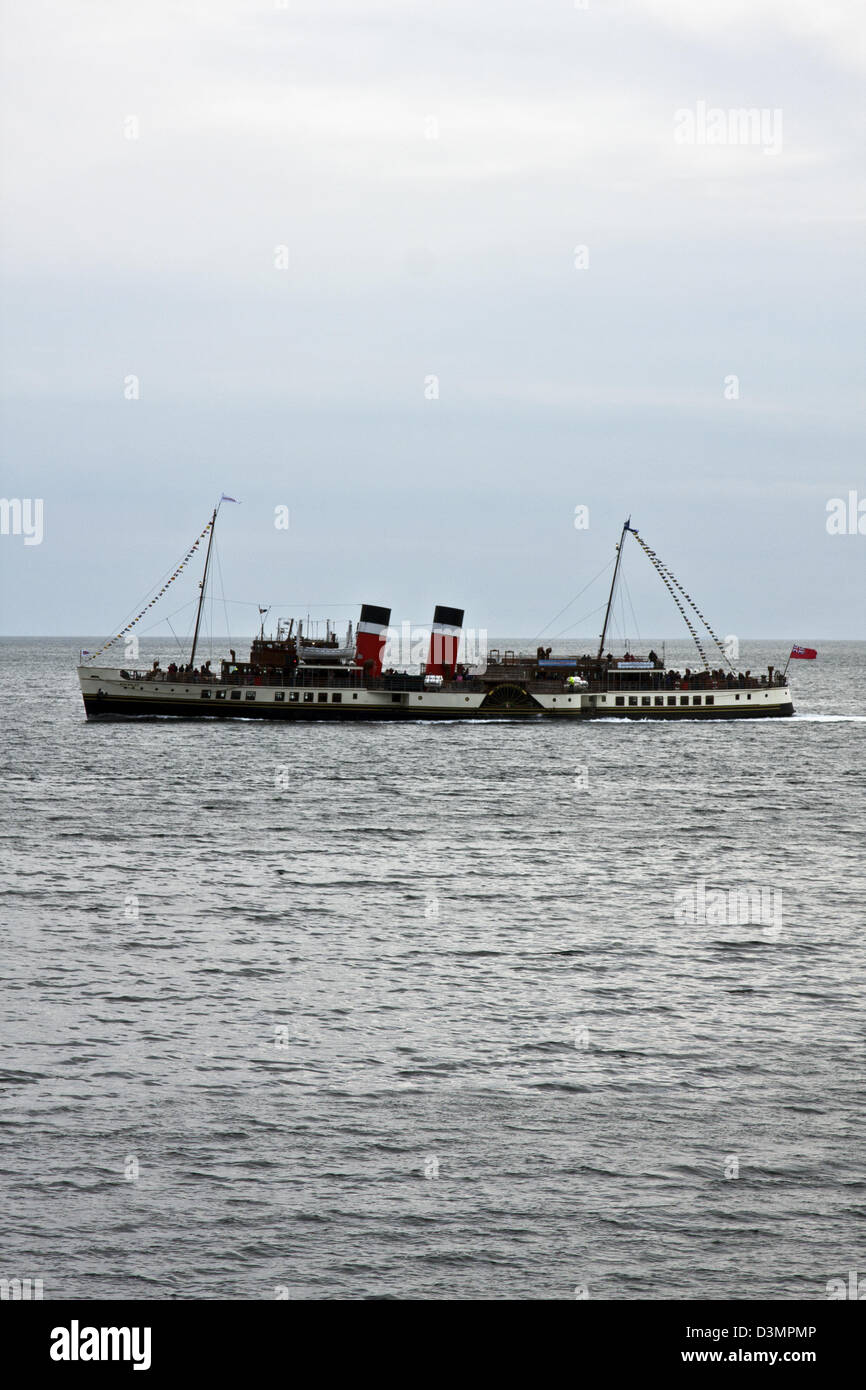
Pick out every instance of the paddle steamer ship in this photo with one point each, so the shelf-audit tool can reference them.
(288, 676)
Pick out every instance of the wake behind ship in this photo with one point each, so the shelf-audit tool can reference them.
(291, 676)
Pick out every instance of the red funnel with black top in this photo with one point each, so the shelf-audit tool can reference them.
(444, 640)
(371, 636)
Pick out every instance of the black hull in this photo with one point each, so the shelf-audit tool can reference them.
(105, 707)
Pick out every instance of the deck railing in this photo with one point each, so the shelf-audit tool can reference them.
(618, 682)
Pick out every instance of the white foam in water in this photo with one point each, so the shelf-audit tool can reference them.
(831, 718)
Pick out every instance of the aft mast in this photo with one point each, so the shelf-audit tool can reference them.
(203, 585)
(626, 527)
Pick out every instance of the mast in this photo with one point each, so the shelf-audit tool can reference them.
(626, 527)
(203, 586)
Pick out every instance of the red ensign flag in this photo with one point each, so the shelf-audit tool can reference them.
(804, 653)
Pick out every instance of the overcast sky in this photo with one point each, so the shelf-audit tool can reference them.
(431, 168)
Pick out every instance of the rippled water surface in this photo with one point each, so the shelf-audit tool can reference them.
(417, 1011)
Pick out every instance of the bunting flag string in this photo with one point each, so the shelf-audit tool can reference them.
(666, 577)
(129, 626)
(663, 570)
